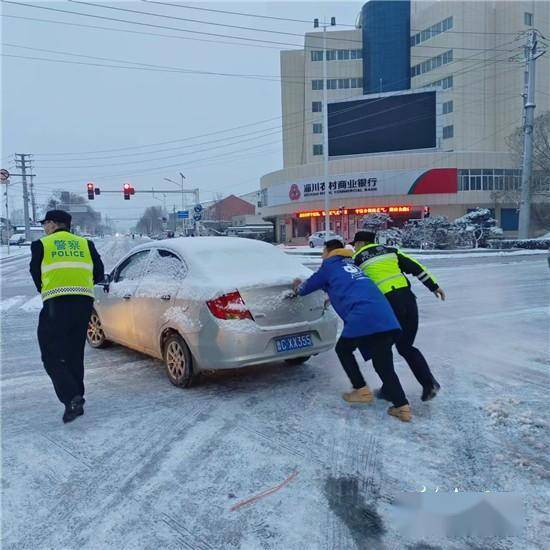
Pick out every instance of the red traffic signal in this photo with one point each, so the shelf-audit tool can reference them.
(127, 190)
(90, 188)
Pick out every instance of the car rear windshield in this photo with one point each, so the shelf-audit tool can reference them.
(247, 266)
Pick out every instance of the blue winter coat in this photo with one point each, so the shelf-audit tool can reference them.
(355, 298)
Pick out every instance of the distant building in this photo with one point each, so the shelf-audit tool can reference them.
(226, 209)
(455, 53)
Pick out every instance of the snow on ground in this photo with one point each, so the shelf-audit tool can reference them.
(154, 466)
(14, 251)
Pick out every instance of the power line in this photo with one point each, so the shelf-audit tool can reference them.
(186, 19)
(482, 62)
(226, 12)
(141, 33)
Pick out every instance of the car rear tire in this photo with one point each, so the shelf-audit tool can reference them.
(311, 245)
(178, 361)
(297, 360)
(94, 334)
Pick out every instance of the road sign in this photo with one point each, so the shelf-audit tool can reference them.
(197, 216)
(4, 175)
(183, 214)
(197, 208)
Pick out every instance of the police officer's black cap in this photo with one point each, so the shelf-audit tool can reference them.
(364, 236)
(58, 216)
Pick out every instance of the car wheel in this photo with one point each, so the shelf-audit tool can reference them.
(311, 245)
(297, 360)
(94, 334)
(179, 364)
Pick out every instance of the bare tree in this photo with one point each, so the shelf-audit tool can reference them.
(150, 221)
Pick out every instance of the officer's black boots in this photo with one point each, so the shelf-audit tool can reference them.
(430, 392)
(74, 409)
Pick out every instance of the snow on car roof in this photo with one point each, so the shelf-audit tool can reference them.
(233, 261)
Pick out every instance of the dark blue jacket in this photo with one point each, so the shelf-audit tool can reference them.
(355, 298)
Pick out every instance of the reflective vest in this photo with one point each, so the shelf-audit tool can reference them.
(67, 266)
(382, 267)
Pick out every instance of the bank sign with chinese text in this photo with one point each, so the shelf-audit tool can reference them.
(377, 183)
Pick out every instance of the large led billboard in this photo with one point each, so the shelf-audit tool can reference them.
(396, 122)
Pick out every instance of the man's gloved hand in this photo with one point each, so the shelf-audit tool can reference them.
(440, 293)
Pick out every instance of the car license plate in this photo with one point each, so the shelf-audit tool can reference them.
(294, 342)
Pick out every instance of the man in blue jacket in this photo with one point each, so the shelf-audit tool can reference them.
(369, 322)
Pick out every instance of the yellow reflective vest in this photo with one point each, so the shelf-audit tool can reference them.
(67, 266)
(386, 265)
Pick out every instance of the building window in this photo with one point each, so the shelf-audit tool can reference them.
(316, 55)
(356, 54)
(317, 84)
(487, 180)
(447, 107)
(475, 179)
(318, 149)
(316, 107)
(343, 54)
(331, 55)
(317, 128)
(356, 82)
(432, 63)
(448, 132)
(432, 31)
(332, 84)
(528, 19)
(343, 83)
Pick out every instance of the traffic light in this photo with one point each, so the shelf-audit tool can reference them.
(91, 194)
(97, 191)
(127, 190)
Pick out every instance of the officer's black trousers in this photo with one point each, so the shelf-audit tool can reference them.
(403, 302)
(379, 346)
(62, 329)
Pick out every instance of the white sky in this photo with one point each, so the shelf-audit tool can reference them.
(67, 108)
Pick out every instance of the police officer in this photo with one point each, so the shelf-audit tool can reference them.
(64, 268)
(386, 266)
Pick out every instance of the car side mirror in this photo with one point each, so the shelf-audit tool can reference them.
(106, 282)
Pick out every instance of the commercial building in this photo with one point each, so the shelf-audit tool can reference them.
(422, 98)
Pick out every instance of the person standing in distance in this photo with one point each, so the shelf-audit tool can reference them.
(386, 267)
(368, 322)
(64, 268)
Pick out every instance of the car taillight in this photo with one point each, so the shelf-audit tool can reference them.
(229, 306)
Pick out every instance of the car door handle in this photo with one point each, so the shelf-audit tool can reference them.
(127, 296)
(165, 297)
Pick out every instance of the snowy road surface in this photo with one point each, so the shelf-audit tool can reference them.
(153, 466)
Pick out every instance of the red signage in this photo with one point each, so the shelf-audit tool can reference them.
(358, 211)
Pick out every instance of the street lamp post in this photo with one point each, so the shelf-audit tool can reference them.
(325, 24)
(182, 197)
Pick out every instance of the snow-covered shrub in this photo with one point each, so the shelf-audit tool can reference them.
(429, 233)
(477, 227)
(377, 221)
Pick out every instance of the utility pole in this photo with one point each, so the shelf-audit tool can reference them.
(325, 24)
(529, 118)
(33, 201)
(8, 222)
(21, 161)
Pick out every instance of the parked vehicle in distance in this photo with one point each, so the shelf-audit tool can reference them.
(320, 237)
(18, 239)
(210, 303)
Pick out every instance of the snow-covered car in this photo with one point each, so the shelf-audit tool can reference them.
(210, 303)
(18, 239)
(320, 237)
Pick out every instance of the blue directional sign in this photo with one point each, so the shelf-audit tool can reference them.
(183, 214)
(197, 216)
(197, 208)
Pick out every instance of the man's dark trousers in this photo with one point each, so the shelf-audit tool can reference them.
(403, 303)
(379, 346)
(62, 336)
